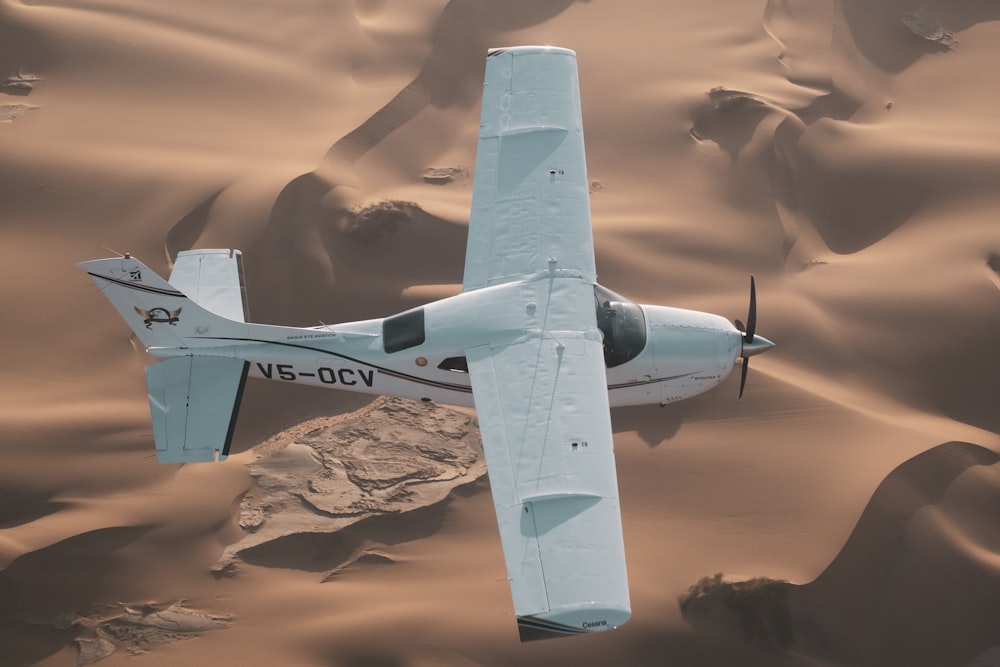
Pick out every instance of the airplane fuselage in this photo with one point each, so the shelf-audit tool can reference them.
(653, 354)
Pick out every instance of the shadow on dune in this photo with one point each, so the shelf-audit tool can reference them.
(184, 234)
(328, 254)
(878, 32)
(922, 481)
(909, 587)
(17, 509)
(904, 590)
(854, 201)
(453, 71)
(300, 252)
(25, 46)
(41, 585)
(654, 425)
(311, 207)
(807, 159)
(851, 206)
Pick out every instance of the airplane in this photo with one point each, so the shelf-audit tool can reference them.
(533, 342)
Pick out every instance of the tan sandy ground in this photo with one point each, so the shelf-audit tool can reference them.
(849, 163)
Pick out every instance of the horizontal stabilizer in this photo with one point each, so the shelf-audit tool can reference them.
(194, 401)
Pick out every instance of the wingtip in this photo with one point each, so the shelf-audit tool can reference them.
(526, 49)
(577, 619)
(533, 628)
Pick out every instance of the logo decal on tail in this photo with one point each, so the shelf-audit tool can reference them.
(159, 316)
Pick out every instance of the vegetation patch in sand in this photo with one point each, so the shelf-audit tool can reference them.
(374, 222)
(20, 83)
(925, 26)
(759, 604)
(724, 99)
(445, 175)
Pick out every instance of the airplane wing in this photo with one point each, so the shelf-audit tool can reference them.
(530, 201)
(539, 385)
(542, 403)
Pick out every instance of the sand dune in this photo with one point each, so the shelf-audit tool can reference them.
(846, 153)
(936, 513)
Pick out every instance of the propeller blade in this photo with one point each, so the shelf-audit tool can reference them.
(739, 325)
(749, 329)
(752, 315)
(743, 376)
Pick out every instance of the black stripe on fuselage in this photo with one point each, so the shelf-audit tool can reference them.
(388, 371)
(639, 383)
(141, 288)
(416, 378)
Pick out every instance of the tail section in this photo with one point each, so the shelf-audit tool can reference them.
(160, 315)
(194, 395)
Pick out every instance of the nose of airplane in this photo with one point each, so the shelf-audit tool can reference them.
(756, 345)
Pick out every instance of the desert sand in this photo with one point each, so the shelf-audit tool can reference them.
(846, 153)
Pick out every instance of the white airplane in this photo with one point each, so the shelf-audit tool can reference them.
(533, 342)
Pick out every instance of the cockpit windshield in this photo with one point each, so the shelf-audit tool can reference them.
(623, 325)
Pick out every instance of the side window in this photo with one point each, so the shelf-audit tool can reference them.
(403, 331)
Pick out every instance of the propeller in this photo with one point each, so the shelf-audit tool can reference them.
(752, 343)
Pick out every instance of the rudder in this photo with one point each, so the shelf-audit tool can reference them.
(213, 278)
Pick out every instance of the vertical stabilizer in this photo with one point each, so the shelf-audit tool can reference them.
(161, 315)
(195, 394)
(213, 279)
